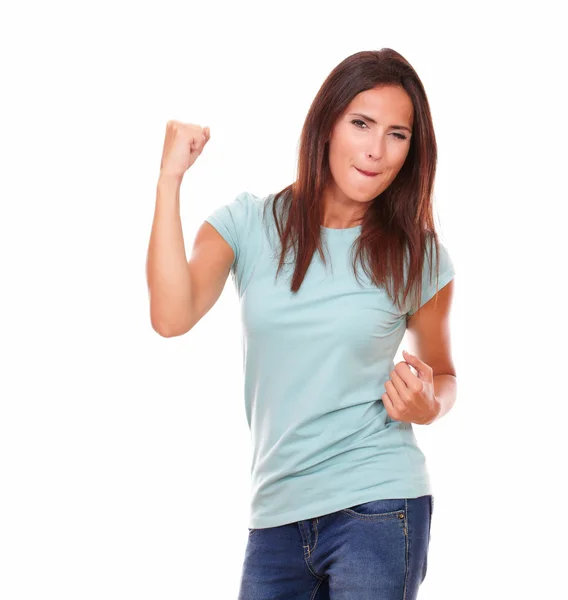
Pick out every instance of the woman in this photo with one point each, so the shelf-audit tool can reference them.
(341, 502)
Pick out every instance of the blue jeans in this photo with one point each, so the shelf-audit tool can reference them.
(376, 550)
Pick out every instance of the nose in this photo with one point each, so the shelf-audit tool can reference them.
(375, 150)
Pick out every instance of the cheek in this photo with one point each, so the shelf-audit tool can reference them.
(396, 161)
(401, 157)
(341, 160)
(344, 147)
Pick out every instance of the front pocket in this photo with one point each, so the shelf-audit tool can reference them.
(378, 509)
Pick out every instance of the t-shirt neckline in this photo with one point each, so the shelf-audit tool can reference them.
(341, 231)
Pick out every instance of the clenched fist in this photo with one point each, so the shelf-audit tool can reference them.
(184, 142)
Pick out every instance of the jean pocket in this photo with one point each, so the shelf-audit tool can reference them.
(378, 509)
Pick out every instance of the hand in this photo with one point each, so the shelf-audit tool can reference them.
(409, 397)
(183, 144)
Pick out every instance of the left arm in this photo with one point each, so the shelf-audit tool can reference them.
(445, 390)
(429, 394)
(429, 337)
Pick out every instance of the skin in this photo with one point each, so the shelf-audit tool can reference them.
(377, 147)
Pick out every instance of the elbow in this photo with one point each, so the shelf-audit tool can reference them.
(160, 329)
(169, 323)
(169, 332)
(163, 332)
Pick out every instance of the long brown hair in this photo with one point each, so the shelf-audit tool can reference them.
(399, 222)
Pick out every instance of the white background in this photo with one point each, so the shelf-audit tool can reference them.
(124, 456)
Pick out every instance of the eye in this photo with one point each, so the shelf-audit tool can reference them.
(399, 136)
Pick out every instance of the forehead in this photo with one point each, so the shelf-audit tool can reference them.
(388, 103)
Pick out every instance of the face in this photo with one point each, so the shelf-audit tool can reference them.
(371, 141)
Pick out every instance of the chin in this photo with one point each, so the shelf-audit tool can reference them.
(359, 196)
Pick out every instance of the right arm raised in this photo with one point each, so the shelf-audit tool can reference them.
(181, 291)
(209, 267)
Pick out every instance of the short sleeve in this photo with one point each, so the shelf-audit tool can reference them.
(446, 274)
(239, 224)
(230, 220)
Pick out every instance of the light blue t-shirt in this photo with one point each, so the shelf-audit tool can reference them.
(315, 364)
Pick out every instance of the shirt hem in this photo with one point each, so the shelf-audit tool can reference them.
(330, 507)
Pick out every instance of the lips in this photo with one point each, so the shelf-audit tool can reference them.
(368, 173)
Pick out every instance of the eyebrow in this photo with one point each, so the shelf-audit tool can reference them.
(373, 121)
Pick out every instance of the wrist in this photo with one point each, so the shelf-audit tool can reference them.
(169, 179)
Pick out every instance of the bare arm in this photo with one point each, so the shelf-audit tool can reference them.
(182, 292)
